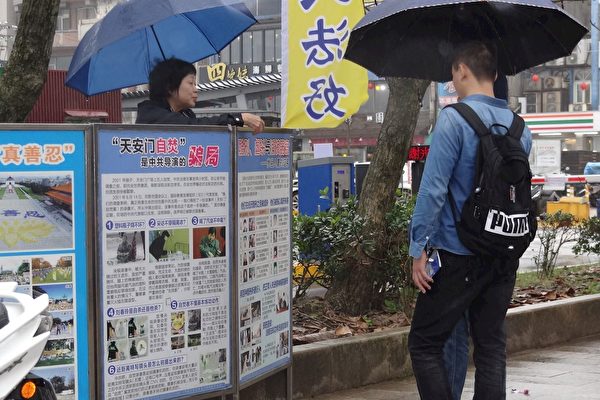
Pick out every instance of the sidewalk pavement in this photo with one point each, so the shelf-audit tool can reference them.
(568, 371)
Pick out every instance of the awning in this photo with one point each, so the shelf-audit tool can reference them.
(87, 113)
(343, 142)
(217, 85)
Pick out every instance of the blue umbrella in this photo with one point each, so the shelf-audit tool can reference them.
(121, 49)
(416, 38)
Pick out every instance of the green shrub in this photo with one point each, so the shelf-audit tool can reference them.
(324, 240)
(553, 231)
(589, 237)
(329, 238)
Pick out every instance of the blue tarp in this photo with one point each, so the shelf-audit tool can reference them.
(592, 168)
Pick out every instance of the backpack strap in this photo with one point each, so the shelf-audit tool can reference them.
(517, 127)
(472, 118)
(481, 130)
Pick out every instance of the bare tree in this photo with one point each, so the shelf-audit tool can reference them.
(27, 66)
(353, 291)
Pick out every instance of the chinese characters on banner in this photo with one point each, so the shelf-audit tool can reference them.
(264, 243)
(319, 88)
(43, 244)
(165, 263)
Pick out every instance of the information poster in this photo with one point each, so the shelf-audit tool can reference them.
(43, 243)
(165, 258)
(264, 243)
(545, 156)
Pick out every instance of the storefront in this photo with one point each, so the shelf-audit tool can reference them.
(563, 141)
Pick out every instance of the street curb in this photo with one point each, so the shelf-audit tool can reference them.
(346, 363)
(546, 324)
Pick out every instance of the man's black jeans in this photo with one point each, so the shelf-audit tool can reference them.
(484, 287)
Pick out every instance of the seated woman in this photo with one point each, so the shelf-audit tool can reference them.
(173, 93)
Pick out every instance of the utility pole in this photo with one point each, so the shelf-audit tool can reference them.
(594, 48)
(348, 122)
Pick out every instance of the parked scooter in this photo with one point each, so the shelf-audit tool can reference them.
(24, 329)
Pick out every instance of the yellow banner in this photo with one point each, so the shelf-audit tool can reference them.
(319, 88)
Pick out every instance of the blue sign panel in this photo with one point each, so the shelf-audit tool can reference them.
(264, 243)
(164, 206)
(43, 243)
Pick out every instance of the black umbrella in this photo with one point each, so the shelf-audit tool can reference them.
(416, 38)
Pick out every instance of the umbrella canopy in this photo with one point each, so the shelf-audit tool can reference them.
(121, 49)
(416, 38)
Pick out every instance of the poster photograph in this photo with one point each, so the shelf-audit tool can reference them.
(62, 379)
(36, 211)
(209, 242)
(15, 269)
(125, 247)
(60, 296)
(57, 352)
(63, 324)
(52, 269)
(169, 245)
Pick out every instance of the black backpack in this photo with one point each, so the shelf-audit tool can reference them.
(498, 218)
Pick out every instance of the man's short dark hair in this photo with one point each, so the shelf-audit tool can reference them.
(167, 76)
(479, 57)
(212, 230)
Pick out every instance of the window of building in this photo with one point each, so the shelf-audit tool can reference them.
(277, 103)
(59, 62)
(247, 47)
(86, 13)
(278, 45)
(533, 102)
(209, 60)
(268, 8)
(552, 101)
(253, 104)
(63, 22)
(225, 55)
(582, 96)
(236, 51)
(257, 47)
(252, 5)
(262, 9)
(269, 45)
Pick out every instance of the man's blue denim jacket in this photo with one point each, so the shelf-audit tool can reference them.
(451, 164)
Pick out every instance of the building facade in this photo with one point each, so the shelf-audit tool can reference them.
(246, 76)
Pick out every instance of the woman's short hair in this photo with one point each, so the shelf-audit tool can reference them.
(166, 77)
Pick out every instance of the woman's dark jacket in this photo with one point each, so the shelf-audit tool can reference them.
(154, 112)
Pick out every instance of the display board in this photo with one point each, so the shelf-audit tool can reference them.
(264, 253)
(43, 241)
(164, 217)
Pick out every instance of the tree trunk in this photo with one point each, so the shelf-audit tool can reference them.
(27, 66)
(353, 292)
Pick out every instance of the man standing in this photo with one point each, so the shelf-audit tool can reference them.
(481, 285)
